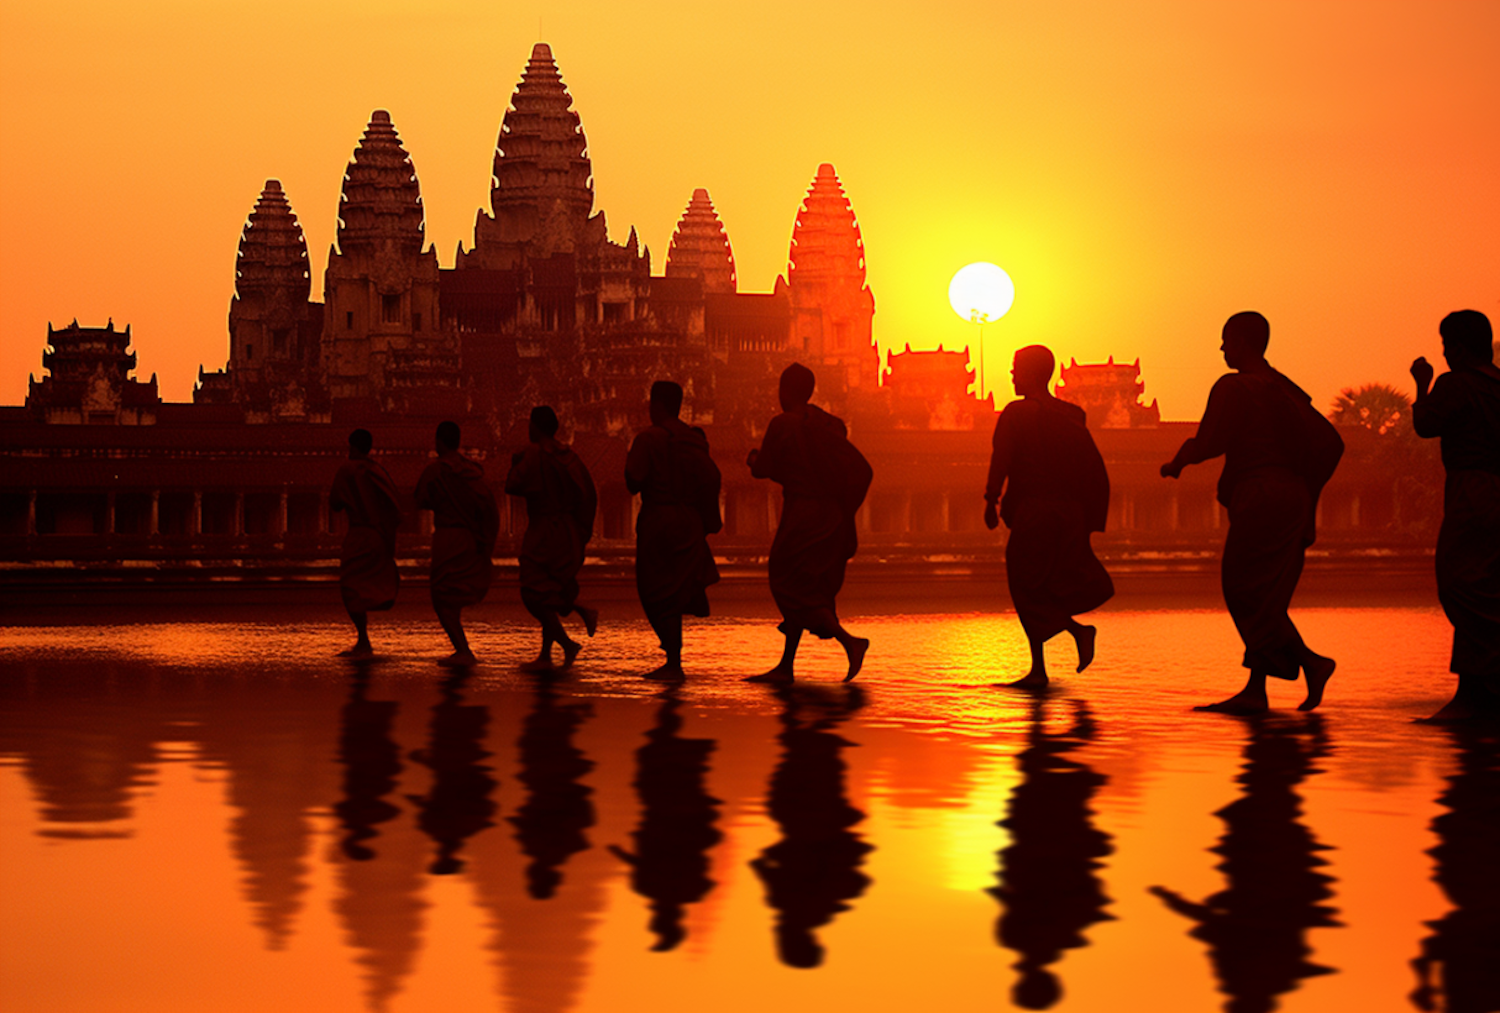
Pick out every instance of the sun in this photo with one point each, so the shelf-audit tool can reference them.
(981, 293)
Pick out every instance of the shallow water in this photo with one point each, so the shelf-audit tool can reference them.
(201, 810)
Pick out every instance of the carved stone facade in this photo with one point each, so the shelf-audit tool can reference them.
(1110, 393)
(90, 381)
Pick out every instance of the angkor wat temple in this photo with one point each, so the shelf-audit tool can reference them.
(543, 308)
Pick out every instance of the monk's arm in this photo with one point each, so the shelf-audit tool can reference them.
(638, 463)
(1002, 447)
(766, 462)
(1432, 412)
(1212, 438)
(521, 478)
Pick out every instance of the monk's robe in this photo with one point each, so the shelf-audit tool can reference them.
(367, 561)
(560, 506)
(678, 482)
(1277, 456)
(823, 480)
(465, 524)
(1463, 410)
(1056, 494)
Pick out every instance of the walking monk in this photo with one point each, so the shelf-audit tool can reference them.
(1278, 454)
(1463, 409)
(560, 507)
(823, 481)
(1056, 494)
(367, 561)
(465, 524)
(669, 465)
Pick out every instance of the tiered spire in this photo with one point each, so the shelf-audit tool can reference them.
(700, 247)
(273, 252)
(826, 244)
(541, 157)
(382, 200)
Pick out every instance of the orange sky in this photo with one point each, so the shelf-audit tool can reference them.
(1141, 170)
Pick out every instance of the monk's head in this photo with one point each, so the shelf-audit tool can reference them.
(1031, 370)
(1468, 340)
(542, 424)
(447, 436)
(666, 401)
(797, 383)
(360, 442)
(1246, 336)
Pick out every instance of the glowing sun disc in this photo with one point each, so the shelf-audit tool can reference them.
(981, 292)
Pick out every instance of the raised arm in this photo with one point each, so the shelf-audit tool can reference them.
(1213, 434)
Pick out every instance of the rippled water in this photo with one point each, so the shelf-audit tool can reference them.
(200, 809)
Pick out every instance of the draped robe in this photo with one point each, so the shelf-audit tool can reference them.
(367, 560)
(558, 493)
(669, 465)
(465, 522)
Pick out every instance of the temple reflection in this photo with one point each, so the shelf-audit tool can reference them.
(1256, 927)
(458, 805)
(670, 862)
(1047, 882)
(814, 870)
(1458, 969)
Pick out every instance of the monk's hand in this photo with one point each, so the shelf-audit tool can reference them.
(991, 516)
(1421, 371)
(1171, 469)
(750, 457)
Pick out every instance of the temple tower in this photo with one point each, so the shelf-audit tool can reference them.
(90, 381)
(832, 307)
(700, 247)
(380, 290)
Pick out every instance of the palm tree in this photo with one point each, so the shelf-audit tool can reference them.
(1378, 407)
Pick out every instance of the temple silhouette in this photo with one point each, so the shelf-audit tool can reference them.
(544, 307)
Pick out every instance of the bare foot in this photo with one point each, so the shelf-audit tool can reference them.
(779, 674)
(590, 618)
(1085, 638)
(459, 659)
(1241, 703)
(1469, 703)
(570, 652)
(538, 666)
(1031, 680)
(856, 651)
(670, 672)
(361, 649)
(1318, 673)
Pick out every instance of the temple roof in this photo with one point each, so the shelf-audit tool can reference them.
(700, 247)
(381, 199)
(541, 156)
(826, 243)
(273, 252)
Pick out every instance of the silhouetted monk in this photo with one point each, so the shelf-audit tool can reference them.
(1049, 887)
(560, 507)
(823, 479)
(367, 561)
(1256, 927)
(1056, 493)
(465, 524)
(669, 465)
(1278, 454)
(1463, 409)
(670, 864)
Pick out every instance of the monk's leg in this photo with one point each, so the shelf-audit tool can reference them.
(1473, 700)
(783, 670)
(451, 619)
(1037, 677)
(1250, 700)
(590, 617)
(361, 648)
(571, 647)
(547, 617)
(854, 649)
(668, 627)
(1083, 638)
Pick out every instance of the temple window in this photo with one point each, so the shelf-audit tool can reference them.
(249, 353)
(278, 341)
(390, 309)
(348, 320)
(416, 321)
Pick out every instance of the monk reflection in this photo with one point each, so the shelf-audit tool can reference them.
(1048, 886)
(368, 578)
(458, 805)
(813, 871)
(1255, 928)
(824, 479)
(550, 824)
(1056, 493)
(670, 862)
(372, 762)
(1459, 967)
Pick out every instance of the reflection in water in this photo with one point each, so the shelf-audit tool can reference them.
(814, 869)
(372, 762)
(1255, 927)
(1460, 961)
(670, 861)
(1047, 883)
(458, 804)
(550, 824)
